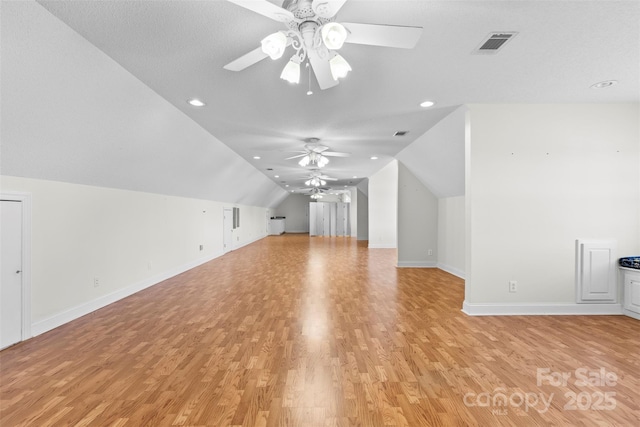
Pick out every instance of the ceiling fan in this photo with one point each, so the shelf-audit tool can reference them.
(315, 192)
(316, 179)
(315, 154)
(316, 37)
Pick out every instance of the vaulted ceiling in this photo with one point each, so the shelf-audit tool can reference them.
(179, 48)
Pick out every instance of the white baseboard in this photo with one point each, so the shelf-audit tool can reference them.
(416, 264)
(533, 309)
(76, 312)
(381, 246)
(452, 270)
(631, 313)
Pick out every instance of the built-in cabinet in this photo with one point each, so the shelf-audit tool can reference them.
(596, 278)
(631, 290)
(329, 219)
(276, 226)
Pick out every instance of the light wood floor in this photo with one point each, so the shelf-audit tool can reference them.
(299, 331)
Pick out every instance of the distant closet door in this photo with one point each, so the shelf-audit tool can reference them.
(342, 220)
(227, 236)
(11, 280)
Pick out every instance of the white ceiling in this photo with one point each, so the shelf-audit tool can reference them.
(178, 49)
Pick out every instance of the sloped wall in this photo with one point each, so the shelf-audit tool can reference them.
(72, 114)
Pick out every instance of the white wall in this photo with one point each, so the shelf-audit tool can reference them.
(353, 211)
(296, 210)
(451, 235)
(417, 222)
(363, 215)
(129, 240)
(538, 178)
(383, 207)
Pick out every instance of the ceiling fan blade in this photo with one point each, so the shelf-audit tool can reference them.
(335, 154)
(263, 7)
(383, 35)
(246, 60)
(327, 8)
(295, 157)
(326, 178)
(321, 70)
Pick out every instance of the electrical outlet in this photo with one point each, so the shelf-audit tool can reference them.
(201, 247)
(96, 282)
(430, 252)
(513, 286)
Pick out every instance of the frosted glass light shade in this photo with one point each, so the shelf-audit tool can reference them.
(333, 35)
(339, 67)
(291, 72)
(274, 45)
(304, 161)
(322, 161)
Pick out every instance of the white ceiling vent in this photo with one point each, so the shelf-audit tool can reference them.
(494, 42)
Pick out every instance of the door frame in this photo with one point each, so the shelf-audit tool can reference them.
(25, 199)
(230, 248)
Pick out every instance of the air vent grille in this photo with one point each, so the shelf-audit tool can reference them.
(401, 133)
(494, 42)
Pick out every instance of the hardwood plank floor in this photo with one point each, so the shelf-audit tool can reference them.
(299, 331)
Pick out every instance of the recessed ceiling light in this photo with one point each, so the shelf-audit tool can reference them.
(374, 158)
(355, 176)
(345, 185)
(427, 104)
(287, 185)
(277, 176)
(603, 84)
(196, 102)
(256, 157)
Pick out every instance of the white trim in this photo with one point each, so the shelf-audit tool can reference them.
(631, 313)
(76, 312)
(416, 264)
(382, 246)
(25, 199)
(534, 309)
(452, 270)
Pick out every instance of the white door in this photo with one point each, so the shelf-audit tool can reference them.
(326, 219)
(227, 223)
(313, 222)
(11, 267)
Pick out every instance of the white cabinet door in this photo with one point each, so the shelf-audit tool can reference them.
(632, 291)
(596, 271)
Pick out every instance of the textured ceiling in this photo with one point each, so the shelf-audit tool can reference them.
(179, 48)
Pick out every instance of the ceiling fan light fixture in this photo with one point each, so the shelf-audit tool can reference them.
(333, 35)
(322, 161)
(304, 161)
(291, 72)
(274, 45)
(339, 67)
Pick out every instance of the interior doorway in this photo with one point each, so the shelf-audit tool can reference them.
(15, 285)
